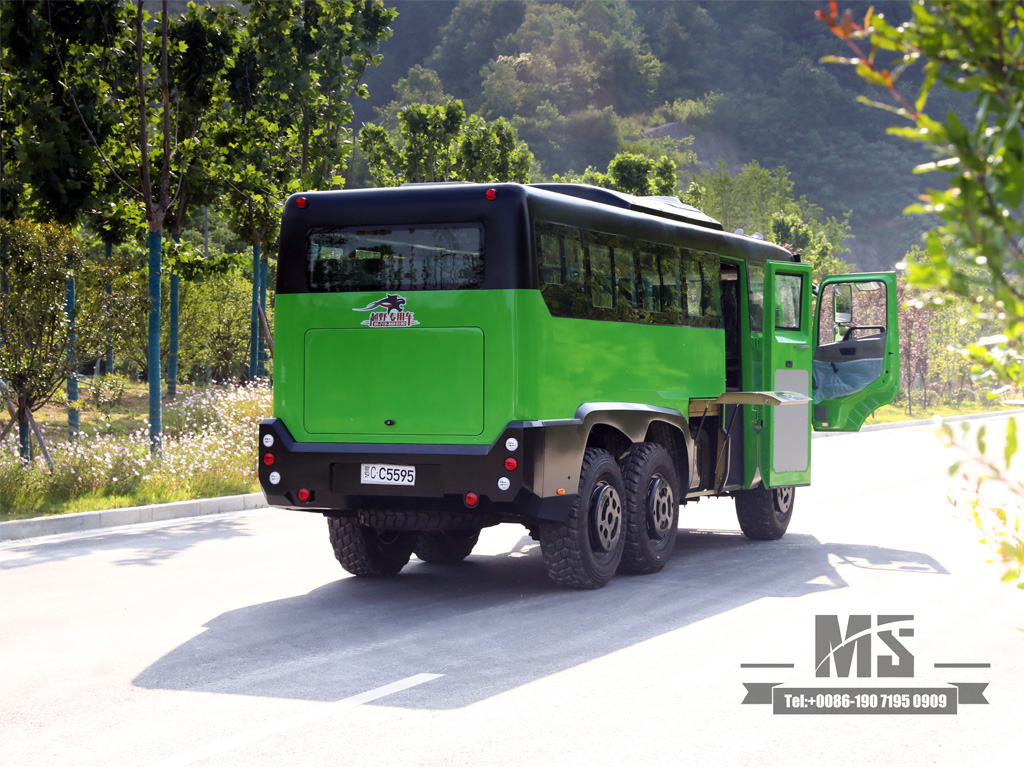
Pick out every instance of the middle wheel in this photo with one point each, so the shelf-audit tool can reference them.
(652, 508)
(584, 550)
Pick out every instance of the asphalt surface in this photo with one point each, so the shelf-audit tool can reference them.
(235, 639)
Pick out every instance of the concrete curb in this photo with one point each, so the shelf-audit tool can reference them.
(110, 518)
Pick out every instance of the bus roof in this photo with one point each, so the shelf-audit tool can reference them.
(667, 207)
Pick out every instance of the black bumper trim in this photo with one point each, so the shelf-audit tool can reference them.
(330, 472)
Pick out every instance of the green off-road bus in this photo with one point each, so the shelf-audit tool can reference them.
(575, 360)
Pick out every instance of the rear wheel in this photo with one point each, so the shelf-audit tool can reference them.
(445, 546)
(652, 508)
(584, 551)
(365, 551)
(764, 513)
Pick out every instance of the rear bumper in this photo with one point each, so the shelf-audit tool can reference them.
(331, 473)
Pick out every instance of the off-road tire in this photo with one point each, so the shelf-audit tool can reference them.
(583, 551)
(445, 546)
(764, 513)
(652, 508)
(365, 551)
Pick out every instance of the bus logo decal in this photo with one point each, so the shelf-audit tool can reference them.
(388, 312)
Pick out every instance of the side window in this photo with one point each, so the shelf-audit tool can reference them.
(755, 291)
(625, 278)
(550, 253)
(787, 302)
(595, 275)
(851, 311)
(572, 258)
(694, 286)
(601, 278)
(650, 281)
(671, 294)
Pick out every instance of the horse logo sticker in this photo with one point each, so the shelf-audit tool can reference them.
(388, 312)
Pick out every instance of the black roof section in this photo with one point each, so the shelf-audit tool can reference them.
(666, 207)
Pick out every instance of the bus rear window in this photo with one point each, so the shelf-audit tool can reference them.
(415, 258)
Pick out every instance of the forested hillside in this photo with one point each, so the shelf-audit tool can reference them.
(700, 81)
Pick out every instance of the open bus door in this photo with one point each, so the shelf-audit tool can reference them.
(856, 365)
(785, 441)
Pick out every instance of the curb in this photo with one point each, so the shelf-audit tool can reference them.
(77, 522)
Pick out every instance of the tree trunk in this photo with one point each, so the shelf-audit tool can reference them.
(72, 357)
(108, 252)
(172, 352)
(262, 358)
(254, 328)
(153, 347)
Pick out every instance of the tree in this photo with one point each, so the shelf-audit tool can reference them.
(297, 69)
(437, 143)
(976, 48)
(57, 161)
(201, 44)
(36, 263)
(632, 173)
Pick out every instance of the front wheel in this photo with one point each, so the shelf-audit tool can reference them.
(584, 551)
(365, 551)
(764, 513)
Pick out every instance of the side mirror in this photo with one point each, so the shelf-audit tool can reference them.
(843, 306)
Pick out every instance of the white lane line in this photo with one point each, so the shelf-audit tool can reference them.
(243, 739)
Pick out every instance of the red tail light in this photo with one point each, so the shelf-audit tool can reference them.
(268, 459)
(511, 464)
(472, 499)
(303, 494)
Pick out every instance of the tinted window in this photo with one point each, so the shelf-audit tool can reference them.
(787, 302)
(755, 292)
(398, 258)
(601, 276)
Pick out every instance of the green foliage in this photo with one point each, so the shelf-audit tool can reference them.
(632, 173)
(758, 200)
(214, 326)
(419, 86)
(976, 49)
(437, 143)
(37, 261)
(107, 392)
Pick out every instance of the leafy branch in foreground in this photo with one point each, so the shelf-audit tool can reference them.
(991, 488)
(975, 48)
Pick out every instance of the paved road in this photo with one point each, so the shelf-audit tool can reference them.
(237, 640)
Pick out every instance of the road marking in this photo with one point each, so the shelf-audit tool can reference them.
(243, 739)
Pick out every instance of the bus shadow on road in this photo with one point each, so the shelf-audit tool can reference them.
(494, 622)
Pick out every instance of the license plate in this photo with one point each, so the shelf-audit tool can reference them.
(387, 474)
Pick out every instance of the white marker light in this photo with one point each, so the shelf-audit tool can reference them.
(511, 444)
(268, 441)
(504, 483)
(275, 478)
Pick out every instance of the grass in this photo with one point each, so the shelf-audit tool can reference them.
(889, 414)
(209, 449)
